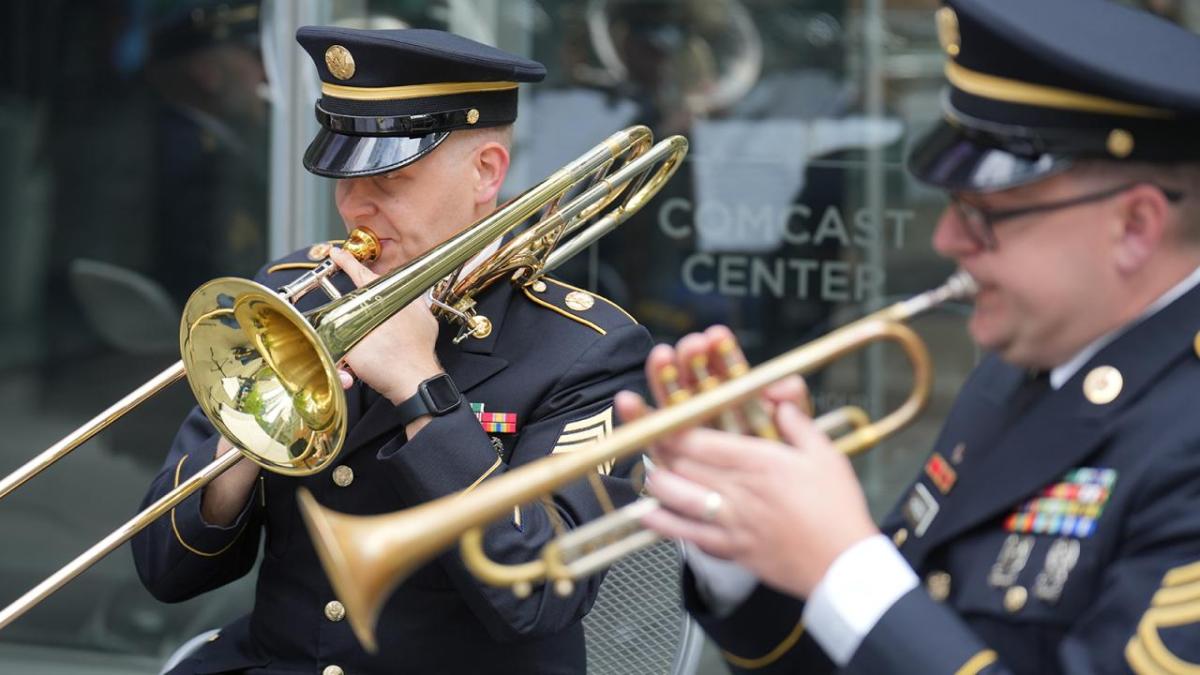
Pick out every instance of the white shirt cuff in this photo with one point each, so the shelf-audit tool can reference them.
(722, 584)
(860, 586)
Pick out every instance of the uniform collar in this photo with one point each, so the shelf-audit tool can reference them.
(1061, 374)
(1009, 460)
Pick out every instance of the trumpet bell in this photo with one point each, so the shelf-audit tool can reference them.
(256, 374)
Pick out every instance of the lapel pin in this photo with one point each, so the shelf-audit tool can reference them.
(941, 473)
(920, 509)
(1103, 385)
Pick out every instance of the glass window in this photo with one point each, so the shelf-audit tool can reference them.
(135, 136)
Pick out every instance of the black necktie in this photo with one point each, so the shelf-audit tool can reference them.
(1035, 385)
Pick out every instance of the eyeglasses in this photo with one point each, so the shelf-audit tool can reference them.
(980, 222)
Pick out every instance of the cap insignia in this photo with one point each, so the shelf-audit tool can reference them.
(1120, 143)
(947, 30)
(340, 62)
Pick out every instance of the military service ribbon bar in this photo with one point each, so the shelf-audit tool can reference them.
(493, 422)
(1070, 507)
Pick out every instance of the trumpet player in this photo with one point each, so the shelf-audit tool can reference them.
(1055, 527)
(416, 132)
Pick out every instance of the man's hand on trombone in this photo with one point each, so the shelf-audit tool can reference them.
(399, 355)
(784, 510)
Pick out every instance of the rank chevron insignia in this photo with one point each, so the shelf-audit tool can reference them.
(580, 433)
(1176, 603)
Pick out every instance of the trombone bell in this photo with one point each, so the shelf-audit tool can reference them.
(253, 370)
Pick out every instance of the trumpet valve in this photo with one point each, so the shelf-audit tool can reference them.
(668, 375)
(705, 380)
(735, 365)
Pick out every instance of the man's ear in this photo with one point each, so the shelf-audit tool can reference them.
(491, 166)
(1144, 222)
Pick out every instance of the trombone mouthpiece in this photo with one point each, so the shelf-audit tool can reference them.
(362, 244)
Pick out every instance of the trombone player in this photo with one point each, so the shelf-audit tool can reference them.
(416, 130)
(1055, 527)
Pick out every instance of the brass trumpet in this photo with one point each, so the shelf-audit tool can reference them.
(265, 375)
(366, 557)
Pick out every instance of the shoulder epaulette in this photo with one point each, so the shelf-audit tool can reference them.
(305, 259)
(584, 307)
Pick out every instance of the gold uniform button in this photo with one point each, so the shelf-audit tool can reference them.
(335, 611)
(343, 475)
(900, 537)
(580, 301)
(1103, 385)
(938, 585)
(333, 670)
(1014, 599)
(319, 251)
(538, 286)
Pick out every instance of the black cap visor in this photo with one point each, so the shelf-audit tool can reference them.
(960, 160)
(337, 155)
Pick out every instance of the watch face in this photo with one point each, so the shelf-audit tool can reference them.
(441, 394)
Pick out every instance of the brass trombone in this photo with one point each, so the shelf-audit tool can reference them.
(361, 243)
(366, 557)
(265, 375)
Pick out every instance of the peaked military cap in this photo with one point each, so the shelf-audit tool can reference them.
(1034, 85)
(389, 97)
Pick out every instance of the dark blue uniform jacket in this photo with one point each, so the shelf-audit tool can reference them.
(555, 367)
(1068, 540)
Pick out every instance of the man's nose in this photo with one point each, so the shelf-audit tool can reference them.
(951, 238)
(355, 199)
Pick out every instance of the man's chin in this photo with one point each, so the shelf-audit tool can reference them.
(985, 334)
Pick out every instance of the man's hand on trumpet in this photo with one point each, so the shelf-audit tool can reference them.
(784, 510)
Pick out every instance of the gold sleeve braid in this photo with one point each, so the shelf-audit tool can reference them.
(977, 663)
(770, 657)
(175, 527)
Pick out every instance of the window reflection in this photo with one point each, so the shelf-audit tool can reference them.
(134, 133)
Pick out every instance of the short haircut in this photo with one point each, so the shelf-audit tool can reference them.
(1182, 177)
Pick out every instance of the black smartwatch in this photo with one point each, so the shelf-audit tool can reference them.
(436, 396)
